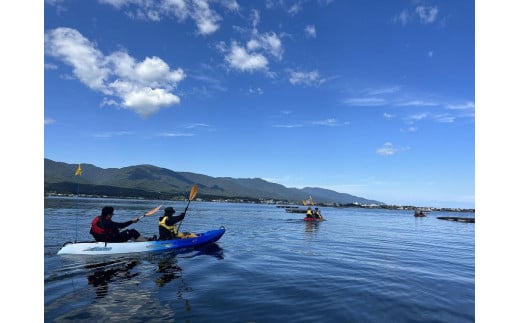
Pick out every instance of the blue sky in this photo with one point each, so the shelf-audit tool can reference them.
(371, 98)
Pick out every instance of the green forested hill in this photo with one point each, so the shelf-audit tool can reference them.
(148, 181)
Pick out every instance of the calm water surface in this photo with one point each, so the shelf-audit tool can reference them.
(360, 265)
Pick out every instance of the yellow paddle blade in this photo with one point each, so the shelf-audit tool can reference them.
(153, 211)
(193, 193)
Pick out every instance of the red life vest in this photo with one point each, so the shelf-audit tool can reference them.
(96, 229)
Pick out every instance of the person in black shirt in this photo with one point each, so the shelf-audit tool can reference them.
(105, 230)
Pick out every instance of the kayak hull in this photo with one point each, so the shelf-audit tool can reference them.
(108, 248)
(312, 220)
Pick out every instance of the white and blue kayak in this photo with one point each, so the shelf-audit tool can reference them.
(108, 248)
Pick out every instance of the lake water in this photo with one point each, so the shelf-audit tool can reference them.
(360, 265)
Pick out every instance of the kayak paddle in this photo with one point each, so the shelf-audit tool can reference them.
(193, 193)
(151, 212)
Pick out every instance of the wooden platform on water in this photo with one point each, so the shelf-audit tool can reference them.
(295, 210)
(457, 219)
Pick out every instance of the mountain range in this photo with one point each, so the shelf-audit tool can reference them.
(152, 182)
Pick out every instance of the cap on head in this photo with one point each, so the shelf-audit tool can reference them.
(169, 210)
(107, 210)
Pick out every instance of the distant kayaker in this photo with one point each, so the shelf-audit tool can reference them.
(103, 229)
(167, 227)
(309, 213)
(317, 214)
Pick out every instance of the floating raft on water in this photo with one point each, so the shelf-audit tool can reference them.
(291, 210)
(457, 219)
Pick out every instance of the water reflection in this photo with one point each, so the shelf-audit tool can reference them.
(169, 269)
(122, 287)
(212, 249)
(109, 272)
(103, 273)
(312, 226)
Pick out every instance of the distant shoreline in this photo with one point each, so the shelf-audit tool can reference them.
(279, 203)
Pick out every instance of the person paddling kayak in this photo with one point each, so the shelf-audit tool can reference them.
(103, 229)
(317, 214)
(167, 227)
(309, 213)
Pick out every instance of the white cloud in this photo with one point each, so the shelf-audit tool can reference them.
(74, 49)
(444, 118)
(143, 87)
(327, 122)
(205, 18)
(253, 56)
(255, 18)
(118, 4)
(272, 44)
(177, 8)
(147, 101)
(465, 106)
(388, 149)
(175, 134)
(388, 115)
(196, 125)
(310, 31)
(403, 17)
(418, 117)
(152, 71)
(269, 43)
(231, 5)
(49, 66)
(365, 102)
(288, 126)
(427, 15)
(294, 9)
(312, 78)
(257, 90)
(110, 134)
(384, 90)
(418, 103)
(190, 130)
(239, 58)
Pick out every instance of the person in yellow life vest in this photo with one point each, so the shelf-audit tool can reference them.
(167, 227)
(309, 213)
